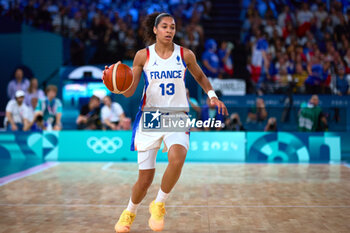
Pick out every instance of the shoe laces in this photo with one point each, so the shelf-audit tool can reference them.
(126, 219)
(159, 210)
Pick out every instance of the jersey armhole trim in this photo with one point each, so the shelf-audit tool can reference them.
(147, 60)
(182, 56)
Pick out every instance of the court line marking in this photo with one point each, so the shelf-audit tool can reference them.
(27, 172)
(107, 166)
(178, 206)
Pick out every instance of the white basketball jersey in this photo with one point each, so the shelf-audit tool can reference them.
(165, 81)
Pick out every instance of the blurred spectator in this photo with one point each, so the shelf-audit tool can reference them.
(233, 123)
(224, 53)
(347, 60)
(286, 16)
(271, 125)
(210, 59)
(311, 118)
(87, 24)
(316, 39)
(19, 83)
(36, 124)
(191, 38)
(33, 92)
(195, 109)
(130, 44)
(257, 113)
(259, 63)
(89, 117)
(315, 78)
(17, 113)
(77, 49)
(304, 17)
(272, 28)
(210, 111)
(113, 116)
(283, 80)
(321, 14)
(341, 82)
(60, 22)
(49, 110)
(299, 78)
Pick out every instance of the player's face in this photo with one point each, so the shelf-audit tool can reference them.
(165, 30)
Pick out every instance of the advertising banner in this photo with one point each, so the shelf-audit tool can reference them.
(204, 146)
(228, 86)
(21, 145)
(214, 147)
(293, 147)
(95, 146)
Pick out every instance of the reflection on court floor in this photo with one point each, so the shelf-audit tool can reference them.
(220, 198)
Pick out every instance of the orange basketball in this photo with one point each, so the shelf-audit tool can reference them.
(118, 78)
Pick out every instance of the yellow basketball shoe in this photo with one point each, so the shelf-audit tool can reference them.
(125, 221)
(157, 211)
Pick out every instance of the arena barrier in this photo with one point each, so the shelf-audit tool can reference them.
(250, 147)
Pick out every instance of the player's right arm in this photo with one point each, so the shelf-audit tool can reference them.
(139, 62)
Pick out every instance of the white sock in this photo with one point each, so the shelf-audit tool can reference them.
(162, 196)
(132, 207)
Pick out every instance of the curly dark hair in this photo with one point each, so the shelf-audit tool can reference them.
(151, 21)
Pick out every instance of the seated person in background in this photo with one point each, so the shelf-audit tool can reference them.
(283, 80)
(33, 92)
(49, 110)
(257, 113)
(113, 116)
(271, 125)
(233, 123)
(341, 82)
(311, 118)
(210, 110)
(299, 78)
(224, 53)
(316, 76)
(17, 113)
(89, 117)
(37, 124)
(18, 83)
(210, 59)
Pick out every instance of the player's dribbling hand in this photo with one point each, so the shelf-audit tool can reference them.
(221, 106)
(106, 68)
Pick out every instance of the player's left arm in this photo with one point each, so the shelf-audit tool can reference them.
(202, 80)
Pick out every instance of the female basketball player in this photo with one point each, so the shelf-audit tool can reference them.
(164, 64)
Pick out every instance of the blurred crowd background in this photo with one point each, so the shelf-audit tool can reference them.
(284, 47)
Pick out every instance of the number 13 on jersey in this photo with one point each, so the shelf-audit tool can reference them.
(168, 89)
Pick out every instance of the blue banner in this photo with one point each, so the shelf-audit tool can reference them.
(293, 147)
(214, 147)
(204, 146)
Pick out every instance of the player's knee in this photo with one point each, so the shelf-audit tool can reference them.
(178, 162)
(144, 184)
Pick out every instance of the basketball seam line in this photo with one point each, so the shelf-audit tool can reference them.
(115, 86)
(124, 81)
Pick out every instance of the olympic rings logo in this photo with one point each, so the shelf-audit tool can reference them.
(104, 144)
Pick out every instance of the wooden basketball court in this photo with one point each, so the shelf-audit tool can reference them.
(220, 198)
